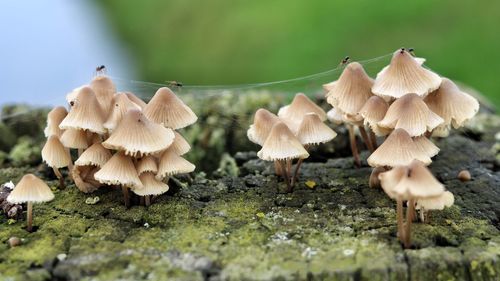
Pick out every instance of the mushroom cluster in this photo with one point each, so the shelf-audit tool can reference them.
(289, 135)
(407, 104)
(121, 140)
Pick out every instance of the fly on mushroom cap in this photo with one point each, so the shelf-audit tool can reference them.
(453, 105)
(171, 164)
(180, 145)
(293, 113)
(30, 189)
(372, 112)
(74, 138)
(54, 118)
(121, 104)
(446, 199)
(71, 96)
(313, 131)
(136, 135)
(135, 100)
(104, 90)
(95, 155)
(426, 146)
(151, 185)
(412, 114)
(55, 154)
(398, 149)
(263, 121)
(351, 91)
(167, 109)
(119, 170)
(85, 114)
(281, 144)
(405, 75)
(418, 183)
(147, 164)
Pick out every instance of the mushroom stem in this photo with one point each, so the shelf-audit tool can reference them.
(70, 165)
(373, 139)
(60, 177)
(296, 173)
(147, 200)
(277, 168)
(285, 175)
(365, 138)
(354, 147)
(30, 216)
(399, 217)
(126, 197)
(409, 215)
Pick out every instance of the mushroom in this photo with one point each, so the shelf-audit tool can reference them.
(76, 139)
(56, 156)
(172, 164)
(426, 146)
(135, 99)
(104, 90)
(91, 160)
(412, 114)
(446, 199)
(405, 75)
(281, 145)
(147, 168)
(263, 121)
(167, 109)
(121, 104)
(453, 105)
(54, 118)
(85, 113)
(372, 112)
(293, 113)
(180, 146)
(31, 190)
(374, 181)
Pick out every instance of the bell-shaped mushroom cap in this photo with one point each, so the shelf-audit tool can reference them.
(104, 90)
(351, 91)
(281, 144)
(85, 114)
(30, 189)
(71, 96)
(147, 164)
(54, 118)
(372, 112)
(293, 113)
(180, 145)
(405, 75)
(263, 121)
(172, 164)
(83, 176)
(426, 146)
(389, 180)
(55, 154)
(136, 135)
(74, 138)
(335, 116)
(418, 183)
(167, 109)
(411, 114)
(446, 199)
(95, 155)
(453, 105)
(121, 104)
(313, 131)
(441, 131)
(151, 185)
(135, 99)
(119, 170)
(397, 150)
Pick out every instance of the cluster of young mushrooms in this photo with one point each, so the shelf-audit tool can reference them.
(406, 104)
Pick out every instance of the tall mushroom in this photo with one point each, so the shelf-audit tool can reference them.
(30, 190)
(54, 118)
(56, 156)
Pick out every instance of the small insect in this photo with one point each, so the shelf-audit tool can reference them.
(101, 69)
(402, 50)
(345, 60)
(174, 84)
(411, 51)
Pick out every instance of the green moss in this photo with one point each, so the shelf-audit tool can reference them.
(25, 152)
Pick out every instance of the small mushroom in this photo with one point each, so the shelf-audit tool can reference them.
(464, 176)
(121, 104)
(76, 139)
(180, 146)
(150, 186)
(85, 114)
(426, 146)
(263, 121)
(56, 156)
(446, 199)
(54, 118)
(104, 90)
(172, 164)
(293, 113)
(374, 111)
(30, 190)
(91, 160)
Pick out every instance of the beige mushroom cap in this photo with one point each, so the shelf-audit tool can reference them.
(104, 90)
(55, 154)
(135, 99)
(180, 145)
(418, 183)
(446, 199)
(335, 116)
(119, 170)
(453, 105)
(390, 179)
(171, 164)
(405, 75)
(147, 164)
(85, 114)
(293, 113)
(263, 121)
(313, 131)
(374, 111)
(74, 138)
(120, 105)
(30, 189)
(151, 185)
(167, 109)
(138, 136)
(95, 155)
(329, 86)
(397, 150)
(426, 146)
(71, 96)
(281, 144)
(54, 118)
(411, 114)
(351, 91)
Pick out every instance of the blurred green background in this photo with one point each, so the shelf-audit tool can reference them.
(226, 42)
